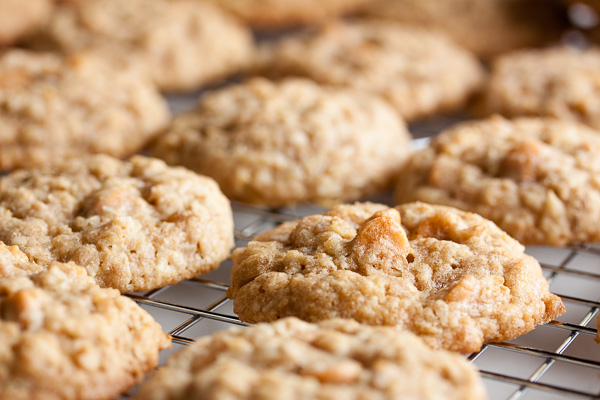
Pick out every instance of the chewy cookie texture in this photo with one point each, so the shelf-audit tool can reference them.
(292, 359)
(54, 107)
(420, 72)
(451, 277)
(134, 225)
(538, 179)
(63, 337)
(288, 142)
(182, 44)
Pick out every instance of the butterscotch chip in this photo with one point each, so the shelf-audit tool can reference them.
(63, 337)
(560, 82)
(271, 14)
(453, 278)
(292, 359)
(183, 44)
(19, 17)
(13, 263)
(538, 179)
(134, 225)
(289, 142)
(418, 71)
(487, 28)
(53, 108)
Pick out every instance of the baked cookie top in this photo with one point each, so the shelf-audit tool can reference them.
(13, 263)
(183, 44)
(134, 225)
(419, 71)
(63, 337)
(19, 17)
(289, 142)
(487, 28)
(559, 82)
(292, 359)
(538, 179)
(54, 107)
(454, 278)
(269, 14)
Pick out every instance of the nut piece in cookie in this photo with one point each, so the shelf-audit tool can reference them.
(182, 44)
(560, 82)
(289, 142)
(54, 107)
(134, 225)
(453, 278)
(21, 17)
(292, 359)
(487, 28)
(420, 72)
(538, 179)
(274, 14)
(63, 337)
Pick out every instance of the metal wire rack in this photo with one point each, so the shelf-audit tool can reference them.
(555, 361)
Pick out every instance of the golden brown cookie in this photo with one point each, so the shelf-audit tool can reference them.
(270, 14)
(453, 278)
(134, 225)
(53, 108)
(292, 359)
(538, 179)
(62, 337)
(183, 44)
(418, 71)
(289, 142)
(560, 82)
(487, 28)
(21, 17)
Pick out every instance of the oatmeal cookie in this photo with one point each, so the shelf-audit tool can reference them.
(418, 71)
(21, 17)
(560, 82)
(538, 179)
(63, 337)
(487, 27)
(183, 44)
(453, 278)
(270, 14)
(289, 142)
(335, 359)
(134, 225)
(52, 107)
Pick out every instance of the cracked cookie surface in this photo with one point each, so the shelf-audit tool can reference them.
(63, 337)
(538, 179)
(335, 359)
(288, 142)
(454, 278)
(134, 225)
(418, 71)
(54, 107)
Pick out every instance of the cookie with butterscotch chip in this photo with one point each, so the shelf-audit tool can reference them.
(538, 179)
(452, 277)
(134, 225)
(63, 337)
(293, 359)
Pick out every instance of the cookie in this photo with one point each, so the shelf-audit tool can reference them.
(273, 14)
(487, 28)
(54, 107)
(19, 18)
(560, 82)
(183, 44)
(13, 263)
(289, 142)
(335, 359)
(538, 179)
(453, 278)
(63, 337)
(418, 71)
(134, 225)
